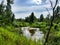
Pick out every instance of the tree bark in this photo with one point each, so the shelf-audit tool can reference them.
(51, 24)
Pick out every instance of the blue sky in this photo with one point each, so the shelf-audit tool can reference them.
(23, 8)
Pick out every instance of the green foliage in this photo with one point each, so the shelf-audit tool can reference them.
(10, 29)
(57, 15)
(2, 13)
(10, 38)
(20, 24)
(9, 14)
(10, 1)
(31, 19)
(47, 19)
(41, 25)
(41, 19)
(6, 15)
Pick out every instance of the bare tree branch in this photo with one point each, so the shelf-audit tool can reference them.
(55, 4)
(51, 3)
(48, 11)
(51, 24)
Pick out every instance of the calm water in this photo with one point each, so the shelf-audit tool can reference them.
(38, 35)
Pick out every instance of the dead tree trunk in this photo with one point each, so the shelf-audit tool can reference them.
(51, 24)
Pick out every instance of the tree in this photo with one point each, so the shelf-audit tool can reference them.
(6, 15)
(41, 18)
(13, 17)
(51, 24)
(20, 20)
(47, 19)
(26, 19)
(8, 11)
(57, 15)
(31, 19)
(2, 13)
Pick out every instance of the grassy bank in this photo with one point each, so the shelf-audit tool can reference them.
(8, 37)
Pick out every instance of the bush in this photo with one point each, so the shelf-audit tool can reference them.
(10, 38)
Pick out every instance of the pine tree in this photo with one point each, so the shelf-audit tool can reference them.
(41, 18)
(32, 18)
(9, 12)
(2, 13)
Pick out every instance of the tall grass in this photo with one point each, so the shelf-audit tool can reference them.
(7, 37)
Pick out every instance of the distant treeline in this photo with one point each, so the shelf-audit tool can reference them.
(32, 18)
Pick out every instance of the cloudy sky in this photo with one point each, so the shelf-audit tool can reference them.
(23, 8)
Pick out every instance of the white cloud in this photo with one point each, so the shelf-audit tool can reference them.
(53, 2)
(30, 9)
(4, 1)
(59, 3)
(37, 1)
(23, 15)
(0, 1)
(37, 14)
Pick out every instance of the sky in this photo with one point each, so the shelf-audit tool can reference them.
(24, 8)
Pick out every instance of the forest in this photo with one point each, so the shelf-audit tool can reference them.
(10, 27)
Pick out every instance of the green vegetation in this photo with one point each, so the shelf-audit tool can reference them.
(10, 28)
(8, 37)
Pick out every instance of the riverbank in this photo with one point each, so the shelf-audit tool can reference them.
(9, 37)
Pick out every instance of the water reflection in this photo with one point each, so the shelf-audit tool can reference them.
(29, 33)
